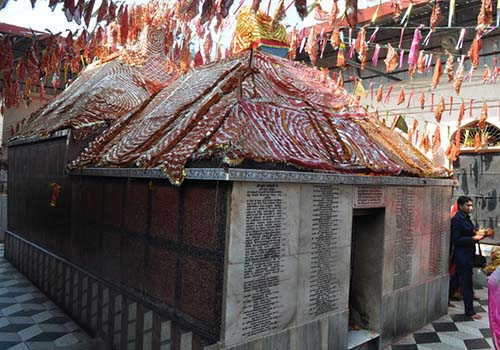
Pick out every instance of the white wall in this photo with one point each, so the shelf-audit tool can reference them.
(13, 115)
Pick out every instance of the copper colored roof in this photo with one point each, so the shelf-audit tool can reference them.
(261, 108)
(106, 91)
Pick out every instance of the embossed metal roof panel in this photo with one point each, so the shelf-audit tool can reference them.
(261, 108)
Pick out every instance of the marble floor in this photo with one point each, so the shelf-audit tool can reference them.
(454, 331)
(28, 319)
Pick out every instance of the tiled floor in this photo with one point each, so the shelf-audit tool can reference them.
(28, 319)
(454, 331)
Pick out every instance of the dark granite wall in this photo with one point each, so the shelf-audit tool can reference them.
(154, 238)
(478, 177)
(145, 239)
(32, 168)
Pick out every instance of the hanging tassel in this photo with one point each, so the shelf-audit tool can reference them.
(421, 99)
(394, 122)
(410, 135)
(371, 89)
(340, 80)
(459, 76)
(380, 92)
(359, 91)
(451, 104)
(470, 107)
(468, 76)
(406, 17)
(413, 54)
(425, 143)
(438, 71)
(409, 99)
(388, 94)
(401, 61)
(494, 72)
(401, 36)
(302, 44)
(498, 13)
(323, 41)
(461, 37)
(374, 35)
(429, 62)
(427, 38)
(451, 13)
(486, 74)
(432, 102)
(340, 56)
(401, 97)
(436, 140)
(440, 109)
(482, 118)
(375, 14)
(351, 50)
(376, 54)
(461, 113)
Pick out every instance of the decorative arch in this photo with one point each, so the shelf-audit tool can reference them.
(469, 131)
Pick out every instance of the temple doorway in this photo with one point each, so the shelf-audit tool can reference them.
(365, 292)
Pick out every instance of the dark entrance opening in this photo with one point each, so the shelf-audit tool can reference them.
(365, 292)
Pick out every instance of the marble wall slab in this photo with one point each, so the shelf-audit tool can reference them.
(329, 332)
(369, 196)
(409, 309)
(417, 230)
(477, 176)
(288, 257)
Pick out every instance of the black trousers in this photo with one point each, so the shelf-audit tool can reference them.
(463, 278)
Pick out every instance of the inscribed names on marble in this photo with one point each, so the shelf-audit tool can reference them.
(369, 197)
(264, 250)
(440, 227)
(324, 292)
(262, 259)
(286, 265)
(405, 241)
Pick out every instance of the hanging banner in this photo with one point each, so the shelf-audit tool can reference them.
(452, 12)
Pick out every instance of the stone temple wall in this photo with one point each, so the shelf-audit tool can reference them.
(289, 262)
(477, 176)
(233, 258)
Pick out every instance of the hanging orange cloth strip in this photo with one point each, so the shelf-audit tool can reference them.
(409, 99)
(422, 101)
(461, 113)
(388, 96)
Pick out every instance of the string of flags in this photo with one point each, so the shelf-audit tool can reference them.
(418, 59)
(430, 138)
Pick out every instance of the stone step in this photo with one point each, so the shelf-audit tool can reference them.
(362, 340)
